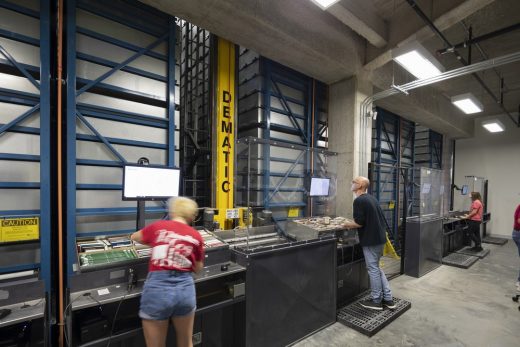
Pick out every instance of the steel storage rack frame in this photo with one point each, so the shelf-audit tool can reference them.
(121, 106)
(278, 104)
(393, 141)
(25, 155)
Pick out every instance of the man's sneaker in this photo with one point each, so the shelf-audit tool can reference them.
(389, 304)
(478, 249)
(371, 305)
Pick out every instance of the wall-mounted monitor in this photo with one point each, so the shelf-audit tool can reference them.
(464, 190)
(149, 182)
(319, 186)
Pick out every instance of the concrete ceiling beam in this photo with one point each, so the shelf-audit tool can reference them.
(361, 17)
(296, 33)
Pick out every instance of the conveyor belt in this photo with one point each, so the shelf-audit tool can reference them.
(467, 251)
(459, 260)
(366, 321)
(494, 240)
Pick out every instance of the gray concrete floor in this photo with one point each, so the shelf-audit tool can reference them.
(450, 307)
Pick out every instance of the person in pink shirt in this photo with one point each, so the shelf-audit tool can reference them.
(475, 219)
(516, 238)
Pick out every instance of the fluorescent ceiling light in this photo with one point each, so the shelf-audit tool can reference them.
(467, 103)
(493, 126)
(417, 60)
(324, 4)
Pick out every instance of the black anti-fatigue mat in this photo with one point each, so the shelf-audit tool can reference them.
(467, 250)
(463, 261)
(494, 240)
(369, 322)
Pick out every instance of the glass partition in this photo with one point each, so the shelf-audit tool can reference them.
(277, 176)
(431, 193)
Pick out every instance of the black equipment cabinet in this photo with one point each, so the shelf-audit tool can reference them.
(98, 295)
(423, 245)
(352, 275)
(291, 290)
(454, 236)
(24, 302)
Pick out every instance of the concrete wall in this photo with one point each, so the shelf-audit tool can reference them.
(497, 158)
(345, 135)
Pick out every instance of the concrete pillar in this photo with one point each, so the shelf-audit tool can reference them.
(346, 136)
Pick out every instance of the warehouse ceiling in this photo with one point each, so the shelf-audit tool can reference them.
(356, 38)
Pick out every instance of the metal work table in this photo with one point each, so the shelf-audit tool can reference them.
(113, 293)
(454, 237)
(23, 312)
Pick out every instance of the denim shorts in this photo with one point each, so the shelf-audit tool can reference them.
(167, 294)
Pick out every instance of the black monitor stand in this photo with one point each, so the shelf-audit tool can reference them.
(141, 217)
(140, 214)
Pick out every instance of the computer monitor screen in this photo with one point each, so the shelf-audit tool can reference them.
(319, 186)
(149, 183)
(464, 190)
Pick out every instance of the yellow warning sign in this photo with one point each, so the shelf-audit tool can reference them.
(293, 212)
(19, 229)
(391, 205)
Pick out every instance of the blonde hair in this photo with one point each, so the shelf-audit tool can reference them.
(182, 207)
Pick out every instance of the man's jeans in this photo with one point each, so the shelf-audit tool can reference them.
(378, 282)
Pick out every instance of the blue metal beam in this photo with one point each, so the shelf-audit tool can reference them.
(20, 9)
(118, 141)
(19, 37)
(19, 67)
(100, 137)
(171, 92)
(123, 64)
(129, 69)
(19, 157)
(119, 43)
(71, 137)
(19, 119)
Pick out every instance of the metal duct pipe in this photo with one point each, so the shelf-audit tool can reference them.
(480, 38)
(432, 26)
(462, 71)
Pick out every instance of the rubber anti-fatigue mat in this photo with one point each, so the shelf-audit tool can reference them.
(494, 240)
(366, 321)
(463, 261)
(467, 250)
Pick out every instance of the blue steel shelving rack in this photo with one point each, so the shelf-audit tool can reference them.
(275, 119)
(39, 77)
(141, 18)
(393, 155)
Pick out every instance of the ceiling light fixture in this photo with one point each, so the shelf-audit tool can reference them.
(467, 103)
(324, 4)
(493, 126)
(417, 60)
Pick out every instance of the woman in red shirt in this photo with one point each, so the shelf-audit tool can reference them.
(516, 238)
(475, 219)
(169, 291)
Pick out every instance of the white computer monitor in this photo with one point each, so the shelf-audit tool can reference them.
(319, 186)
(149, 182)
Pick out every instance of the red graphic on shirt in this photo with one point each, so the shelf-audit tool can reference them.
(172, 250)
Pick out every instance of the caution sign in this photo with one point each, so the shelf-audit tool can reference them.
(19, 229)
(293, 212)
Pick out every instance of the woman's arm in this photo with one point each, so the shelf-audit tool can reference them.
(137, 236)
(472, 213)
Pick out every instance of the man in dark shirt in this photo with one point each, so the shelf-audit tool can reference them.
(370, 222)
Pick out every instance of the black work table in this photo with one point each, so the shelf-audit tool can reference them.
(454, 238)
(115, 292)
